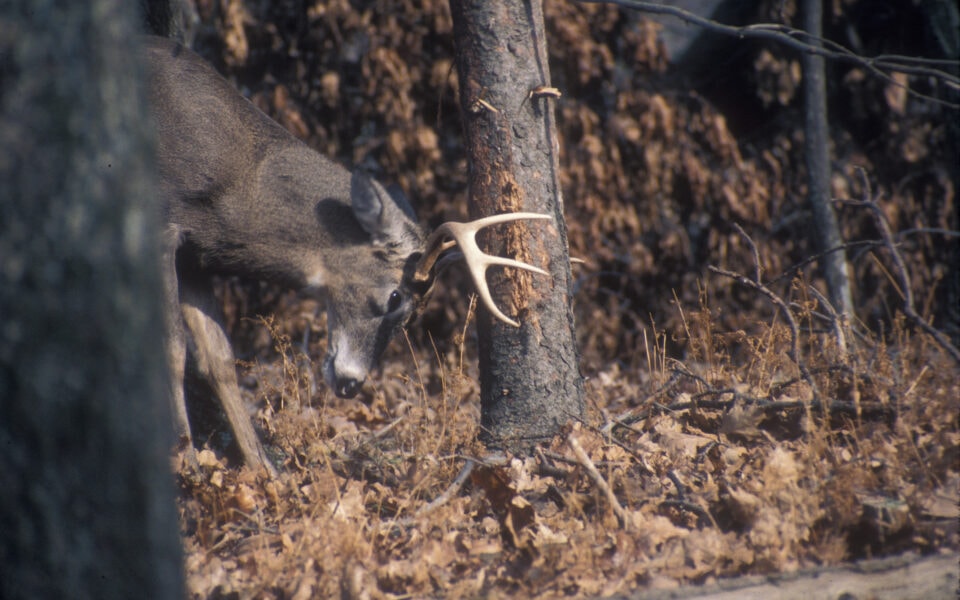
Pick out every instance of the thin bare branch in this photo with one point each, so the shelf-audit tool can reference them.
(452, 490)
(835, 320)
(900, 270)
(775, 299)
(622, 516)
(882, 66)
(792, 270)
(927, 230)
(757, 269)
(704, 517)
(758, 285)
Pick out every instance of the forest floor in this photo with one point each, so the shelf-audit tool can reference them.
(684, 472)
(734, 428)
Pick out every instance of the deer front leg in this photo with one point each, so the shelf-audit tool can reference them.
(217, 365)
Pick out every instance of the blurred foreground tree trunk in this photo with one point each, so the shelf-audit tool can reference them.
(175, 19)
(530, 382)
(86, 492)
(817, 150)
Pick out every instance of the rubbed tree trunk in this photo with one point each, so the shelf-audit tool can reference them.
(86, 493)
(530, 383)
(817, 150)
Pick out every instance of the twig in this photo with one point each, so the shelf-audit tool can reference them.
(900, 270)
(804, 42)
(622, 517)
(685, 373)
(548, 454)
(380, 433)
(769, 406)
(681, 489)
(452, 490)
(794, 269)
(703, 516)
(612, 440)
(547, 467)
(827, 319)
(776, 300)
(757, 269)
(758, 285)
(835, 320)
(777, 388)
(834, 407)
(926, 231)
(628, 418)
(696, 398)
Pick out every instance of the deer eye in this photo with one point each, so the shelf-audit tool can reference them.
(393, 304)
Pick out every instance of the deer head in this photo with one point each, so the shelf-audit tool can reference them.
(363, 316)
(368, 288)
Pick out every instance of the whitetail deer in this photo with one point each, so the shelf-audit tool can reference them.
(242, 196)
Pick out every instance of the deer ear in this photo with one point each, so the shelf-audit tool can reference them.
(385, 216)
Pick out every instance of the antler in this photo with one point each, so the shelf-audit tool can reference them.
(464, 235)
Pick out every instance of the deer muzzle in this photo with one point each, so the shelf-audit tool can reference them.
(342, 377)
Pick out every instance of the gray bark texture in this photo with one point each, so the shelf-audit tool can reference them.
(530, 382)
(86, 493)
(817, 150)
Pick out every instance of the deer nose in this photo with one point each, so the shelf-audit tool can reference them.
(347, 388)
(343, 373)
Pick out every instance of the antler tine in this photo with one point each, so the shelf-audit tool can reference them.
(464, 236)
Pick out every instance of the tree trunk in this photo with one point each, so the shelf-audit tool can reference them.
(86, 494)
(817, 150)
(530, 383)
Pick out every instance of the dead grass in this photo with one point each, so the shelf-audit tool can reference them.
(703, 468)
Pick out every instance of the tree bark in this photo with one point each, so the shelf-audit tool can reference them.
(817, 150)
(86, 494)
(530, 382)
(175, 19)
